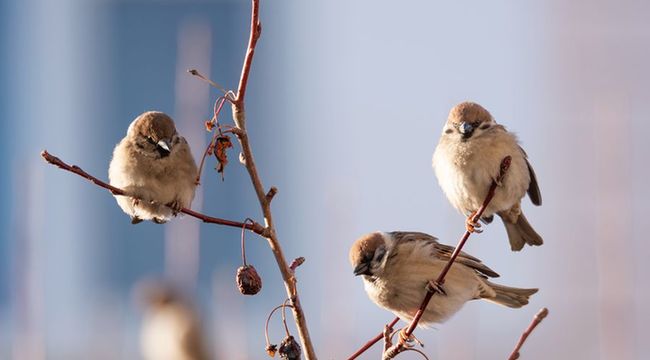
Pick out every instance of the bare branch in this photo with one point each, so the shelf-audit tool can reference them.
(272, 192)
(214, 84)
(372, 341)
(541, 314)
(296, 262)
(252, 225)
(255, 32)
(239, 117)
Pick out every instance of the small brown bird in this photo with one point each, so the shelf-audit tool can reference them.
(155, 166)
(468, 158)
(398, 266)
(171, 329)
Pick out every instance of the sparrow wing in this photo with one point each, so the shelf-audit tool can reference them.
(444, 252)
(533, 189)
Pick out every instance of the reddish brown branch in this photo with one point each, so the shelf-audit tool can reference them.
(253, 226)
(400, 346)
(541, 314)
(372, 341)
(239, 117)
(256, 31)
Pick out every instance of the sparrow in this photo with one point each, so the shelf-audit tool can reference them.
(171, 329)
(398, 267)
(154, 165)
(468, 158)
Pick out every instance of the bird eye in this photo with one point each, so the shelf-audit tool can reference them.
(485, 126)
(150, 140)
(379, 254)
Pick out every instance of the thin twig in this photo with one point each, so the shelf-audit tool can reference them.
(255, 32)
(266, 326)
(400, 346)
(214, 84)
(541, 314)
(284, 317)
(253, 226)
(372, 341)
(388, 337)
(296, 262)
(243, 241)
(239, 117)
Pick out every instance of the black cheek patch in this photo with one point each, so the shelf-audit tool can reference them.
(162, 152)
(485, 126)
(449, 131)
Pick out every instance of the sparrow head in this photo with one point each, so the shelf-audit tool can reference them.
(153, 133)
(368, 254)
(467, 120)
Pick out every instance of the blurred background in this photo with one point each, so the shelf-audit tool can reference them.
(345, 105)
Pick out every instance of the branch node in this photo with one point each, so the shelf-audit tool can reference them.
(269, 195)
(541, 314)
(296, 262)
(266, 232)
(258, 30)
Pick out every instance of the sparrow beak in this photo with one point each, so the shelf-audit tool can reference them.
(466, 129)
(362, 269)
(165, 146)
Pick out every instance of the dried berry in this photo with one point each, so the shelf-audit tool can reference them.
(271, 350)
(289, 349)
(248, 280)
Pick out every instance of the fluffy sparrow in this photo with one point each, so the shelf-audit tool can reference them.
(397, 267)
(467, 160)
(171, 329)
(153, 164)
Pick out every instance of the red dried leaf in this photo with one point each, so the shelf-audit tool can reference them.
(209, 125)
(222, 143)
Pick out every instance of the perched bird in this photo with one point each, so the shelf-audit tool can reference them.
(154, 165)
(397, 267)
(171, 329)
(468, 158)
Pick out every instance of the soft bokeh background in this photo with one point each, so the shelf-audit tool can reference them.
(346, 102)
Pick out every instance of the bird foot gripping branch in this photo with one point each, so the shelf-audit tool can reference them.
(435, 287)
(472, 224)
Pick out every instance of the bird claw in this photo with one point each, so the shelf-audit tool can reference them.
(435, 287)
(175, 206)
(471, 225)
(159, 221)
(135, 220)
(407, 341)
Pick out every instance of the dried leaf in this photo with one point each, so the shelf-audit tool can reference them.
(209, 125)
(221, 145)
